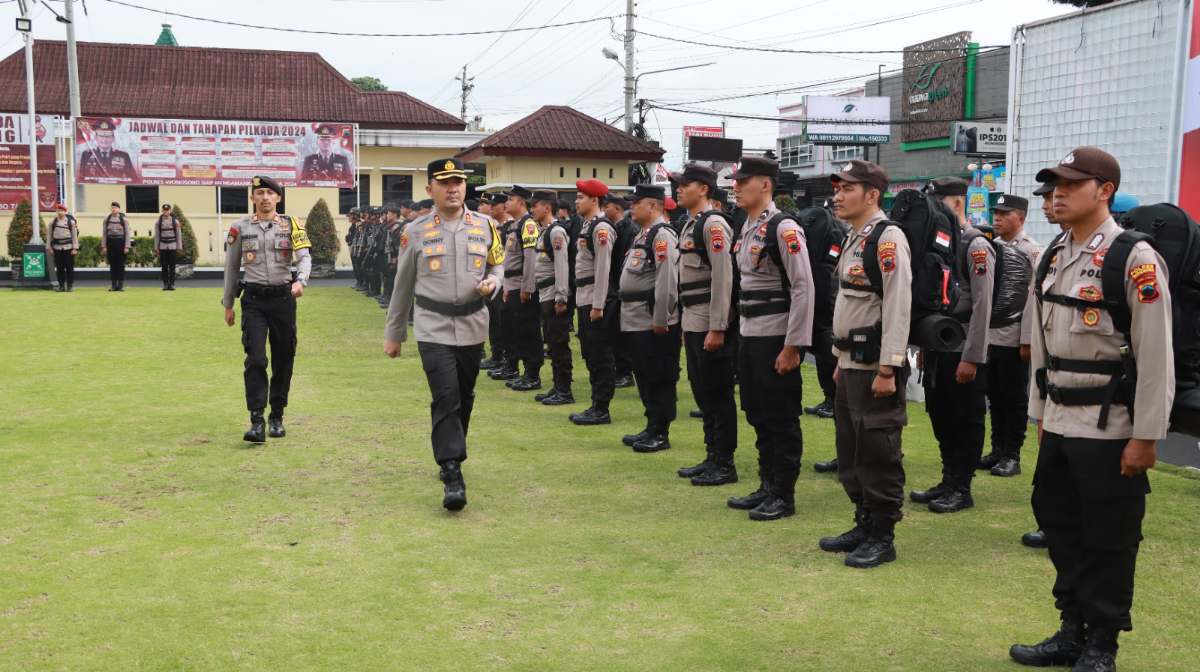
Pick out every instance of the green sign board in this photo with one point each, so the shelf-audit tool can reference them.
(33, 265)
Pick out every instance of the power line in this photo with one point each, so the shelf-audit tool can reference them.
(813, 120)
(775, 50)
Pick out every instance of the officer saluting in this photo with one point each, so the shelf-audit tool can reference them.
(1103, 387)
(870, 339)
(266, 245)
(451, 262)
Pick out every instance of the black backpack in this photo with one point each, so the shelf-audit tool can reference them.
(1013, 275)
(933, 238)
(825, 236)
(571, 251)
(625, 231)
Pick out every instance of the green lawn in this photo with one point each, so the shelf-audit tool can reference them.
(138, 532)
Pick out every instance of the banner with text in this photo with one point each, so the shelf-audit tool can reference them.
(192, 152)
(14, 161)
(849, 120)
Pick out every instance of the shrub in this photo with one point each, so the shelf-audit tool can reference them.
(141, 253)
(190, 249)
(322, 233)
(785, 202)
(89, 252)
(20, 229)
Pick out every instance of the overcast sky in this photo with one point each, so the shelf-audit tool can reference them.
(517, 72)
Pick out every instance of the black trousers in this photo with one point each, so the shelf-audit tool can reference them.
(496, 327)
(389, 280)
(451, 372)
(556, 330)
(1092, 517)
(597, 341)
(656, 371)
(822, 352)
(64, 267)
(356, 264)
(527, 334)
(870, 459)
(1008, 399)
(116, 259)
(511, 314)
(268, 320)
(166, 260)
(622, 354)
(956, 413)
(711, 375)
(374, 278)
(772, 405)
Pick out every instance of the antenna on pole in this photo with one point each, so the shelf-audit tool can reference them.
(467, 87)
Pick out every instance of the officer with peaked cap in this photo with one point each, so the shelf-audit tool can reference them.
(552, 274)
(616, 210)
(64, 242)
(520, 256)
(272, 249)
(451, 262)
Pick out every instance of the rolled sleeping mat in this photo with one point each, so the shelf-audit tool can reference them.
(940, 333)
(1185, 414)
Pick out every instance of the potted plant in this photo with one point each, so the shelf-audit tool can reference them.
(323, 236)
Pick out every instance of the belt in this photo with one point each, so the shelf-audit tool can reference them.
(545, 282)
(451, 309)
(764, 295)
(1119, 390)
(698, 284)
(584, 282)
(843, 343)
(632, 297)
(1085, 396)
(266, 291)
(686, 300)
(514, 274)
(778, 301)
(760, 309)
(862, 288)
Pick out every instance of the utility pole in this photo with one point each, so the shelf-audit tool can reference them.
(33, 165)
(72, 59)
(467, 87)
(630, 82)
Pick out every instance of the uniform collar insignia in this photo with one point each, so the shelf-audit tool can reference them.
(867, 229)
(1095, 242)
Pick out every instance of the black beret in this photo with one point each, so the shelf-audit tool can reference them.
(264, 182)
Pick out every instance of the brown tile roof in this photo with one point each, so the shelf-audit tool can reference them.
(138, 80)
(555, 130)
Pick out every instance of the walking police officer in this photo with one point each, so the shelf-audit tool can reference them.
(168, 241)
(1102, 393)
(553, 277)
(64, 242)
(267, 245)
(597, 278)
(451, 261)
(870, 339)
(114, 244)
(776, 317)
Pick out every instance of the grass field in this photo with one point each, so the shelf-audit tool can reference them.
(138, 532)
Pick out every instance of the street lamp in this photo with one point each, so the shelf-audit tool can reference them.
(631, 81)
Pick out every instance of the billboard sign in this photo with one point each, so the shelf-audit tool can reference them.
(849, 120)
(14, 161)
(934, 86)
(977, 138)
(191, 152)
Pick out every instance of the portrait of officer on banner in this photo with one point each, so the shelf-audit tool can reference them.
(329, 163)
(99, 158)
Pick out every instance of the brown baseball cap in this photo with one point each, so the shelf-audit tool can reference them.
(1084, 163)
(865, 172)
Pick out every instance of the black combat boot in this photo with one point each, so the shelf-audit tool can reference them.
(455, 497)
(821, 410)
(559, 398)
(696, 413)
(623, 381)
(722, 472)
(630, 439)
(70, 286)
(696, 470)
(829, 467)
(1007, 467)
(879, 546)
(1099, 651)
(751, 500)
(1036, 539)
(850, 539)
(527, 385)
(275, 424)
(1062, 648)
(258, 428)
(592, 416)
(927, 496)
(489, 364)
(955, 499)
(773, 508)
(988, 461)
(652, 444)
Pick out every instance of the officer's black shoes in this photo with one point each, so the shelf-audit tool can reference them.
(652, 444)
(258, 428)
(1006, 467)
(720, 473)
(751, 500)
(1099, 652)
(70, 288)
(689, 472)
(275, 427)
(829, 467)
(623, 381)
(592, 416)
(630, 439)
(502, 372)
(455, 495)
(773, 508)
(1060, 649)
(1034, 539)
(558, 398)
(988, 461)
(953, 501)
(821, 410)
(165, 288)
(848, 540)
(543, 395)
(695, 413)
(927, 496)
(527, 385)
(875, 551)
(490, 363)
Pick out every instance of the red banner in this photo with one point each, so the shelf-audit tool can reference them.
(14, 162)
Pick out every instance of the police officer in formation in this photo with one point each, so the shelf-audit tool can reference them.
(272, 250)
(956, 382)
(616, 210)
(871, 319)
(64, 243)
(649, 294)
(114, 244)
(1102, 392)
(393, 227)
(597, 276)
(776, 318)
(552, 275)
(168, 242)
(706, 295)
(354, 217)
(451, 261)
(491, 206)
(522, 311)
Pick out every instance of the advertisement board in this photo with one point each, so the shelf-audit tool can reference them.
(977, 138)
(849, 120)
(934, 86)
(14, 161)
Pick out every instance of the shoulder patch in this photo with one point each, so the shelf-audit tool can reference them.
(660, 250)
(716, 238)
(887, 256)
(602, 237)
(979, 261)
(1145, 278)
(791, 239)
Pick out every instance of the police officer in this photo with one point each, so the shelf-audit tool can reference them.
(596, 282)
(1102, 395)
(356, 242)
(491, 205)
(114, 244)
(393, 226)
(450, 263)
(616, 210)
(376, 253)
(706, 295)
(956, 382)
(1008, 370)
(267, 245)
(649, 294)
(64, 242)
(552, 275)
(522, 309)
(870, 339)
(168, 241)
(353, 217)
(776, 317)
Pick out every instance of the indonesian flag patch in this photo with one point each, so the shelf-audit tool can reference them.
(943, 239)
(835, 251)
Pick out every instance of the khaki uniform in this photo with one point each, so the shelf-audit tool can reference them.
(594, 267)
(553, 275)
(597, 340)
(554, 287)
(116, 227)
(64, 234)
(168, 234)
(520, 264)
(760, 274)
(870, 459)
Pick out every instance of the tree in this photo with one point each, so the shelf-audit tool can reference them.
(20, 229)
(367, 83)
(190, 249)
(785, 202)
(322, 233)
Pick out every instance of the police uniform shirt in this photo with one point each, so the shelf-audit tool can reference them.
(522, 236)
(168, 234)
(595, 264)
(332, 166)
(64, 233)
(112, 164)
(859, 308)
(444, 261)
(651, 271)
(759, 273)
(266, 250)
(976, 296)
(1089, 334)
(1017, 333)
(716, 276)
(557, 269)
(115, 226)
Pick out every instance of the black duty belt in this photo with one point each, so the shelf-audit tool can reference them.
(687, 300)
(451, 309)
(514, 274)
(584, 282)
(1119, 390)
(258, 291)
(777, 302)
(698, 284)
(633, 297)
(862, 288)
(545, 282)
